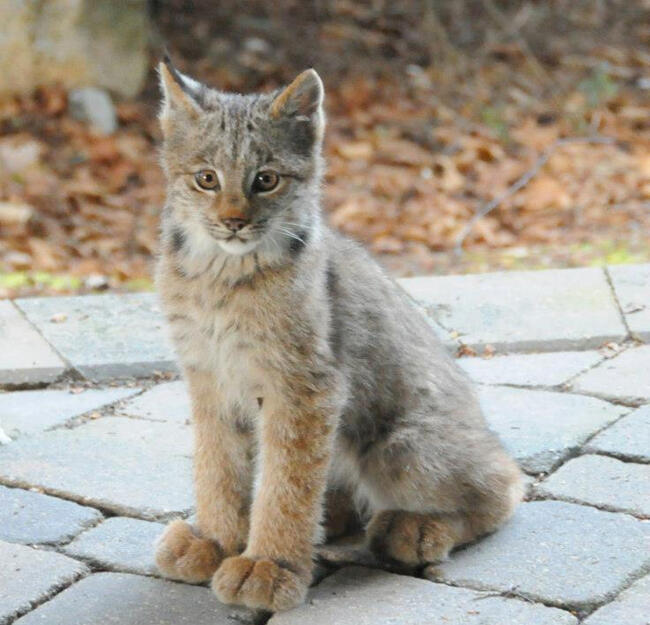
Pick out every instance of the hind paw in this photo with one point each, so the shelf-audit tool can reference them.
(410, 538)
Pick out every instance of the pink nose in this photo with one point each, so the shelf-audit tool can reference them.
(235, 223)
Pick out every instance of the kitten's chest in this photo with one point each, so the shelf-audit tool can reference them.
(225, 338)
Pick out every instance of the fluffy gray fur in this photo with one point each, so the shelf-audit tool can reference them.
(409, 436)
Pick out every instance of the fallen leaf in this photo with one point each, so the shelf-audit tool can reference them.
(355, 150)
(15, 213)
(465, 350)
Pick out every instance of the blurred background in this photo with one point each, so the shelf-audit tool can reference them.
(468, 135)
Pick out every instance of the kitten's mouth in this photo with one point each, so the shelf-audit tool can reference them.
(236, 237)
(237, 246)
(237, 243)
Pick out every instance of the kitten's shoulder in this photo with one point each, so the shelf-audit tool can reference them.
(348, 257)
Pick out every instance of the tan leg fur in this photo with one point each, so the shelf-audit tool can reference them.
(297, 428)
(222, 478)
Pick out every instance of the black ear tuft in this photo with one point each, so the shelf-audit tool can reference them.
(175, 74)
(180, 91)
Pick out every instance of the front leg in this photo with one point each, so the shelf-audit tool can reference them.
(296, 439)
(222, 481)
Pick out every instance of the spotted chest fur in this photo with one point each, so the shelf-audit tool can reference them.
(218, 330)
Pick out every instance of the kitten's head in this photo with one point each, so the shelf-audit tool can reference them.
(243, 170)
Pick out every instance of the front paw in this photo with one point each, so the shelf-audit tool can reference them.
(182, 555)
(259, 584)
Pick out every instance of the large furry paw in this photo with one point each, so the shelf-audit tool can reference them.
(182, 555)
(259, 584)
(410, 538)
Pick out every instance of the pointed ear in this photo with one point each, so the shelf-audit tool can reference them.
(181, 94)
(302, 98)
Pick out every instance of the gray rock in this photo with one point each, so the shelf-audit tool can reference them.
(632, 287)
(367, 597)
(29, 576)
(556, 552)
(122, 599)
(29, 412)
(546, 369)
(104, 336)
(95, 107)
(631, 607)
(25, 357)
(624, 377)
(628, 438)
(165, 402)
(128, 466)
(541, 428)
(119, 544)
(73, 44)
(28, 517)
(563, 309)
(603, 482)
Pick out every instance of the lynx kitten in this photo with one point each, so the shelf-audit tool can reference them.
(321, 398)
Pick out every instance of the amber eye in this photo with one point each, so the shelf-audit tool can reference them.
(207, 179)
(265, 181)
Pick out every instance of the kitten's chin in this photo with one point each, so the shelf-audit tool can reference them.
(238, 247)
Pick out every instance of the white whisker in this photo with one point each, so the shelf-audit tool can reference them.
(290, 234)
(275, 243)
(291, 223)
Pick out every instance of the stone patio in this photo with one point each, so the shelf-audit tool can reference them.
(95, 454)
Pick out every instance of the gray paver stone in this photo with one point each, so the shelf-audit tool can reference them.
(367, 597)
(165, 402)
(25, 356)
(545, 369)
(631, 607)
(129, 466)
(104, 336)
(556, 552)
(523, 310)
(603, 482)
(28, 412)
(632, 287)
(628, 438)
(28, 576)
(123, 599)
(624, 377)
(540, 428)
(529, 485)
(28, 517)
(119, 544)
(450, 341)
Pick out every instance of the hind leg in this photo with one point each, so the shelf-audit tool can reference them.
(424, 506)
